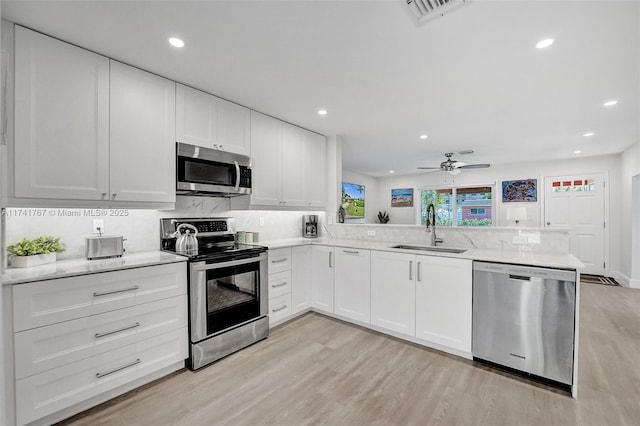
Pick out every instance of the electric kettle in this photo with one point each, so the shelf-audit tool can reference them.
(186, 243)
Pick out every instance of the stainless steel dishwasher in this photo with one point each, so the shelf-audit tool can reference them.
(523, 318)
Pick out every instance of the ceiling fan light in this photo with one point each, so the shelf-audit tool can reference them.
(455, 171)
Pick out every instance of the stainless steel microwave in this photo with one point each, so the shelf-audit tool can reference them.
(206, 171)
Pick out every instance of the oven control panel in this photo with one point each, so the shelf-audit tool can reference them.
(205, 226)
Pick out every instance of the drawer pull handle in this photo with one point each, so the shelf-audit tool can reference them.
(96, 294)
(279, 285)
(279, 260)
(101, 375)
(351, 251)
(279, 309)
(99, 335)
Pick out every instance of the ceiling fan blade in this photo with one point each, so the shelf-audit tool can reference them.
(428, 168)
(429, 171)
(458, 164)
(475, 166)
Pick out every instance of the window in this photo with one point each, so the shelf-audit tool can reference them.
(464, 206)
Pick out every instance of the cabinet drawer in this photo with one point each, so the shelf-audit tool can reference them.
(279, 308)
(44, 348)
(279, 260)
(279, 284)
(45, 393)
(52, 301)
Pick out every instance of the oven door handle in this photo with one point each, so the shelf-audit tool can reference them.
(198, 267)
(237, 175)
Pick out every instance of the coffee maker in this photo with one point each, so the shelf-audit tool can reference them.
(310, 226)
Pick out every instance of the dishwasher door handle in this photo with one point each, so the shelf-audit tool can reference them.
(519, 277)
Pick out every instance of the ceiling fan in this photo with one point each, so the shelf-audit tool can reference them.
(452, 166)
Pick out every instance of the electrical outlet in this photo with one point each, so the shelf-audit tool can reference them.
(262, 221)
(520, 240)
(371, 233)
(98, 226)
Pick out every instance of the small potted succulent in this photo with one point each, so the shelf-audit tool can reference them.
(383, 217)
(38, 251)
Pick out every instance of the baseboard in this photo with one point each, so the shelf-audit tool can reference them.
(625, 281)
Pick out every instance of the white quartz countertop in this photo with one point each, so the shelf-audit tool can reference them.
(73, 267)
(524, 257)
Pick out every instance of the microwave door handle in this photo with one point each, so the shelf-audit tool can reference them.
(237, 175)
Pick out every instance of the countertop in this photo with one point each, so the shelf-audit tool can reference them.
(524, 257)
(73, 267)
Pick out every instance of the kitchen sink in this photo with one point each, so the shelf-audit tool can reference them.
(430, 248)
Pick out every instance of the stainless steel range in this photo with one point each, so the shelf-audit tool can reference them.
(228, 299)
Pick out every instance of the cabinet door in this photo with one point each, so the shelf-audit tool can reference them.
(234, 128)
(265, 160)
(322, 262)
(300, 278)
(196, 117)
(393, 288)
(353, 284)
(61, 119)
(443, 301)
(142, 149)
(294, 170)
(316, 169)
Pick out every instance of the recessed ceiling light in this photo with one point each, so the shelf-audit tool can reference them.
(577, 152)
(610, 103)
(176, 42)
(424, 136)
(322, 112)
(391, 171)
(544, 43)
(589, 134)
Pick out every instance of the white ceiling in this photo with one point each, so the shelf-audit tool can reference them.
(472, 79)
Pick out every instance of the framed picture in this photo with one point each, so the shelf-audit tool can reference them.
(525, 190)
(402, 197)
(352, 204)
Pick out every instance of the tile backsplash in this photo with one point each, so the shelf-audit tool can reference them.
(141, 228)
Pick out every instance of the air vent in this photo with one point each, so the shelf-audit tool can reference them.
(425, 10)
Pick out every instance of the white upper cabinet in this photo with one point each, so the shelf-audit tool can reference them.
(393, 291)
(444, 295)
(142, 150)
(288, 165)
(234, 128)
(265, 160)
(208, 121)
(61, 119)
(196, 117)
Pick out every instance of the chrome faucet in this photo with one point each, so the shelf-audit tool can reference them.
(431, 225)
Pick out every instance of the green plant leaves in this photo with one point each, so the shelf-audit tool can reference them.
(41, 245)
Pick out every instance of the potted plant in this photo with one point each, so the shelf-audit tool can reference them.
(34, 252)
(383, 217)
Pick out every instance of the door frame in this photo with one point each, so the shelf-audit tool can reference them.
(606, 198)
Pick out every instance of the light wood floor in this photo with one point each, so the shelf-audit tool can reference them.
(316, 370)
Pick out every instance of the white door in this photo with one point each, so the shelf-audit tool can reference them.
(234, 128)
(300, 278)
(196, 117)
(265, 160)
(294, 171)
(577, 202)
(142, 136)
(322, 262)
(444, 295)
(61, 119)
(393, 291)
(353, 284)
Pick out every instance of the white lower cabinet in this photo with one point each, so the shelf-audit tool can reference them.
(352, 283)
(393, 291)
(279, 308)
(444, 301)
(279, 284)
(300, 278)
(53, 390)
(76, 338)
(322, 269)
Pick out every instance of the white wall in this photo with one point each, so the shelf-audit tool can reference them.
(630, 216)
(609, 165)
